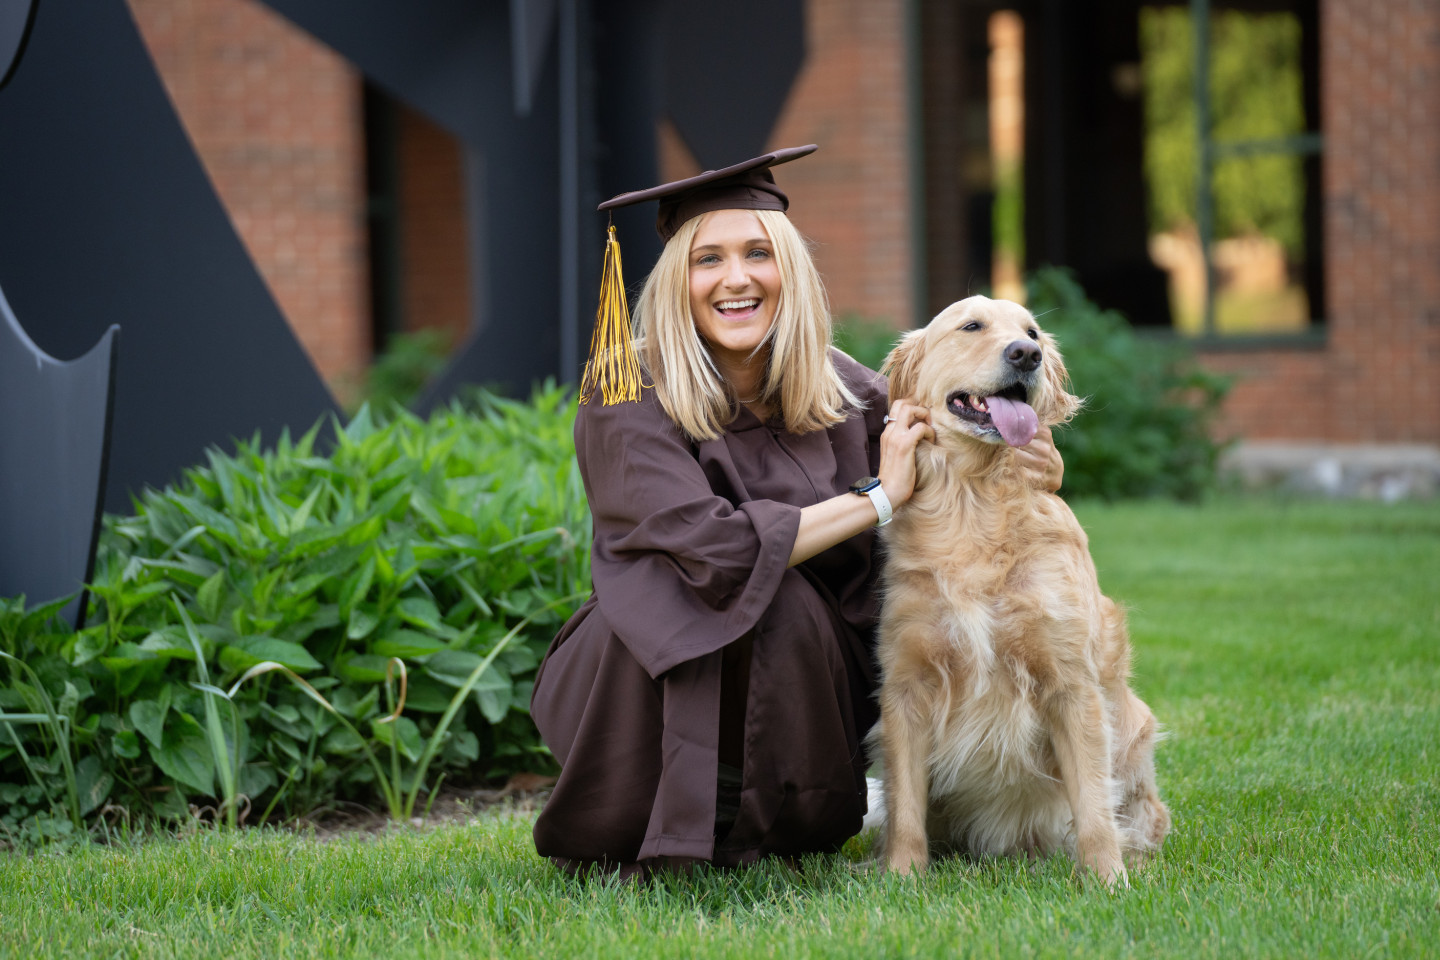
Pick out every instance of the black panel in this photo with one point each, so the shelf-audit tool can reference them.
(382, 216)
(106, 217)
(630, 74)
(449, 59)
(1085, 184)
(1313, 269)
(532, 24)
(54, 430)
(729, 70)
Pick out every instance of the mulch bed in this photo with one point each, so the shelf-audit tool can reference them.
(522, 794)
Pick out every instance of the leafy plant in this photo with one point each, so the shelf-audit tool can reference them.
(1146, 428)
(70, 790)
(225, 754)
(57, 724)
(454, 546)
(400, 804)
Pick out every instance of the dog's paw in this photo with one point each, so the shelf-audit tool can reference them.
(1108, 870)
(907, 863)
(1101, 857)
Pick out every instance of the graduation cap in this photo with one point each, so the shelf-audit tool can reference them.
(612, 367)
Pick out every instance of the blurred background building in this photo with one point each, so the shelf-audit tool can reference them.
(963, 142)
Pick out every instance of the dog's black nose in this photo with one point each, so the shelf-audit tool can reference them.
(1023, 355)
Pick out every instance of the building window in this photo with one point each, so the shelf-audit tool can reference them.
(1232, 165)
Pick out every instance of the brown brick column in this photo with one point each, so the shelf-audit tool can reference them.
(853, 196)
(1377, 378)
(1381, 96)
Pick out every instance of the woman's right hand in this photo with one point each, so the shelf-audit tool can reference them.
(909, 424)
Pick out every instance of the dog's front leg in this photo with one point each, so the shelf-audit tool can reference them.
(905, 735)
(1079, 734)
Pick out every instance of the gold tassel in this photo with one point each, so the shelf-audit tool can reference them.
(612, 367)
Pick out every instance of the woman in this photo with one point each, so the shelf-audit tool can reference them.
(709, 701)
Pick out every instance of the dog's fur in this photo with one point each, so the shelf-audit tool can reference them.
(1007, 725)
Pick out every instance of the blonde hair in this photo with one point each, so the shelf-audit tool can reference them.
(799, 380)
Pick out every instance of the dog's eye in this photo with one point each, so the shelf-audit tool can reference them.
(973, 325)
(1034, 334)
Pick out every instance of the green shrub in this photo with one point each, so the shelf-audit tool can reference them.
(409, 361)
(1145, 430)
(422, 542)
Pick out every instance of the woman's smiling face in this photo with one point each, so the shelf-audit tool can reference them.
(734, 283)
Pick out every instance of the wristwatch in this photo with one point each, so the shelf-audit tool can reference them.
(870, 487)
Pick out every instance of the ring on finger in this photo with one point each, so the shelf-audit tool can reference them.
(887, 419)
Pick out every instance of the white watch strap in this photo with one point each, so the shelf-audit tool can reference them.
(882, 504)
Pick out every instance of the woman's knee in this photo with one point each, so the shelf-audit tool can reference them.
(580, 683)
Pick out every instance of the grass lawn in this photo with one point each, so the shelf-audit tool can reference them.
(1293, 651)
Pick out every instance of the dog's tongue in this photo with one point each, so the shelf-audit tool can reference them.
(1015, 420)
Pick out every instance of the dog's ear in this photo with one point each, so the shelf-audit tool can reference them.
(1060, 404)
(902, 366)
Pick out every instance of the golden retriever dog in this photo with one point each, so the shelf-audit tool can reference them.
(1007, 725)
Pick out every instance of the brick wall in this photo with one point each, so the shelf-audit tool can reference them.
(1378, 378)
(1280, 394)
(433, 243)
(276, 119)
(852, 198)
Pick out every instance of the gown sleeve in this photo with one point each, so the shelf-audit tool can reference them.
(679, 570)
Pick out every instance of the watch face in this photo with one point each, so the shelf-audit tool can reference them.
(864, 485)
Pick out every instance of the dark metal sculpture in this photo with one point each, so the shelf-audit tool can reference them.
(54, 446)
(106, 216)
(557, 103)
(16, 17)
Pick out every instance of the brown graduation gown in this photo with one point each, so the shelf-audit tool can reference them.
(691, 543)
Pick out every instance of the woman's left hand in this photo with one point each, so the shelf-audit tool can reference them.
(1040, 461)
